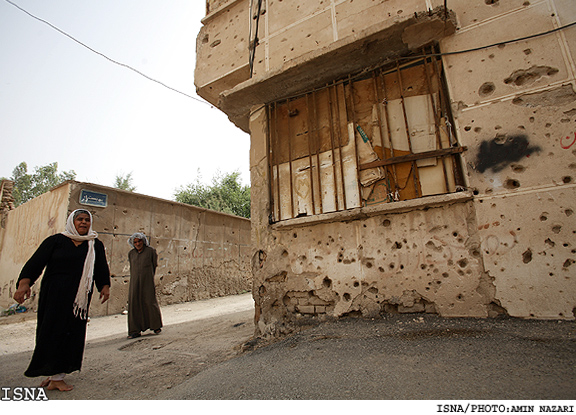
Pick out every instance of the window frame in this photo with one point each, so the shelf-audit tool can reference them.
(341, 98)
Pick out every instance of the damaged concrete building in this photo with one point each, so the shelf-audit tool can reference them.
(406, 155)
(201, 253)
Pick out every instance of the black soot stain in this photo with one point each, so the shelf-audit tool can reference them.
(499, 152)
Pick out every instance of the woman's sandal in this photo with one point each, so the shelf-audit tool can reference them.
(133, 336)
(157, 331)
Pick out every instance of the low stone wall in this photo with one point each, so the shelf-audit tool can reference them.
(21, 231)
(201, 253)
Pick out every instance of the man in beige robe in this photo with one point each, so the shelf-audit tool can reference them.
(143, 309)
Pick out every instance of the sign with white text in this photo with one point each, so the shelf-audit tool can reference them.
(90, 198)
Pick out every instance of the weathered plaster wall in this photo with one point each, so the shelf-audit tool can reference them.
(414, 256)
(506, 245)
(222, 48)
(515, 108)
(309, 43)
(412, 262)
(21, 232)
(201, 253)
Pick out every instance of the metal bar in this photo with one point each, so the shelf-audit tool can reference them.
(318, 147)
(458, 179)
(377, 96)
(275, 151)
(290, 160)
(435, 107)
(386, 115)
(310, 153)
(331, 120)
(339, 121)
(269, 156)
(414, 167)
(443, 99)
(252, 47)
(437, 116)
(412, 157)
(351, 86)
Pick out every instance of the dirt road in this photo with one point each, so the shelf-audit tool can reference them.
(195, 336)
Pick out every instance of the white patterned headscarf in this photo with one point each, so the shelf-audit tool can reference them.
(137, 235)
(86, 282)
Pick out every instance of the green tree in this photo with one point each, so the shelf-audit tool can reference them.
(226, 194)
(28, 186)
(124, 182)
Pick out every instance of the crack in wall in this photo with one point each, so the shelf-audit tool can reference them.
(197, 234)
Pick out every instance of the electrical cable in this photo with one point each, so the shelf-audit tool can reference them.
(493, 44)
(253, 48)
(416, 57)
(106, 57)
(256, 40)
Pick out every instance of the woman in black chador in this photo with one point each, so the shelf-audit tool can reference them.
(74, 260)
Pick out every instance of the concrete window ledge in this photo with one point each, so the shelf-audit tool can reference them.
(377, 210)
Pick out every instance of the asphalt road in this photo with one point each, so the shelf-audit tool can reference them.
(403, 357)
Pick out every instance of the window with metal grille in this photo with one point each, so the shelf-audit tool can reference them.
(381, 137)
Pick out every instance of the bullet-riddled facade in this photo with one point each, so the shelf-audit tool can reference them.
(406, 156)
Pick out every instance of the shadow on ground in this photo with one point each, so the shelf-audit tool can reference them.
(402, 357)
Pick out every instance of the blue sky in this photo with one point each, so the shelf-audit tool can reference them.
(61, 102)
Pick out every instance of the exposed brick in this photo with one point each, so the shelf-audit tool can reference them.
(317, 301)
(306, 309)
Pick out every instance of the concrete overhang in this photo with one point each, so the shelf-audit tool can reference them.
(368, 48)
